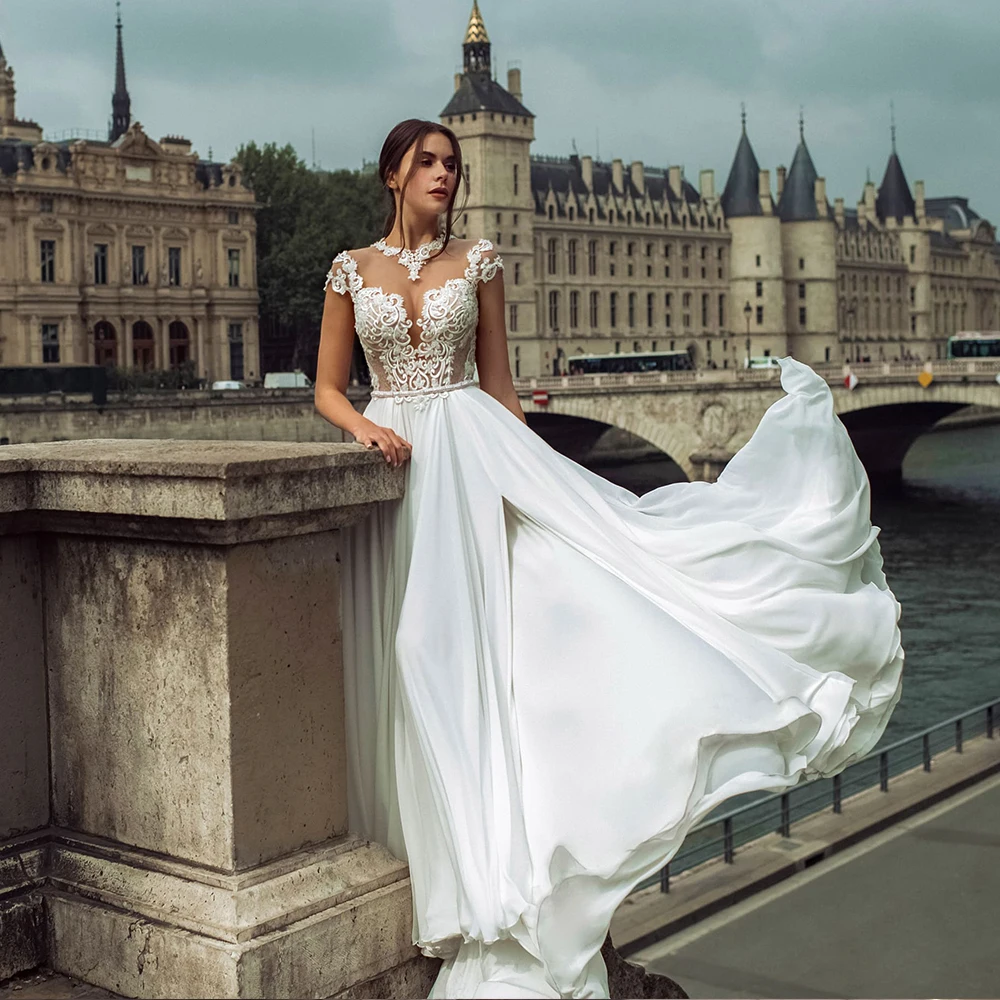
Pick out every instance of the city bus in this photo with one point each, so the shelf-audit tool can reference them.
(652, 361)
(974, 344)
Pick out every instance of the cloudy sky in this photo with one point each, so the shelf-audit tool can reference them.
(655, 80)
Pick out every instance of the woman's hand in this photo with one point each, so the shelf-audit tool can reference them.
(395, 449)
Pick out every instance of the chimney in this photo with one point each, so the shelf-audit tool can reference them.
(838, 212)
(617, 175)
(514, 83)
(587, 171)
(870, 196)
(764, 191)
(781, 180)
(918, 198)
(458, 80)
(819, 189)
(706, 184)
(674, 178)
(638, 175)
(861, 213)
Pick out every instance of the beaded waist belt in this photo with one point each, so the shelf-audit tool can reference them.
(430, 390)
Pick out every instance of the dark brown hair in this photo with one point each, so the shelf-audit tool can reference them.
(397, 142)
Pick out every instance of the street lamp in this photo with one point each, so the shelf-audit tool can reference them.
(747, 312)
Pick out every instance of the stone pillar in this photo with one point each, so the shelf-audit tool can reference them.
(127, 358)
(176, 823)
(198, 329)
(159, 334)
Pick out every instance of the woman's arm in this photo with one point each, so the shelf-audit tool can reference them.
(492, 360)
(333, 370)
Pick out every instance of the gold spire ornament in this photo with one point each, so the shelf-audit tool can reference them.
(476, 32)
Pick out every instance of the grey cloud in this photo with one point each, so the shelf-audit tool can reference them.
(659, 80)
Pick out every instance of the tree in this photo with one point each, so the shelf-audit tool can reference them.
(306, 218)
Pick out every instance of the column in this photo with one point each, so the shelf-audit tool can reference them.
(125, 342)
(198, 330)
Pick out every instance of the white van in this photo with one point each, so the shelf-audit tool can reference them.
(287, 380)
(763, 362)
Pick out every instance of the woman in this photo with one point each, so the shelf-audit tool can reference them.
(550, 680)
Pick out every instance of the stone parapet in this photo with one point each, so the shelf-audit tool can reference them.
(174, 820)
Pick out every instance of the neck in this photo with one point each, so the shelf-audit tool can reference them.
(414, 231)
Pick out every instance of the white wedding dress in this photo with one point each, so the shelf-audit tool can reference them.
(549, 679)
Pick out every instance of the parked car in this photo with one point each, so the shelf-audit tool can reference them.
(287, 380)
(228, 383)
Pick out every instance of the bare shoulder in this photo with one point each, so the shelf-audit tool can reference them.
(358, 253)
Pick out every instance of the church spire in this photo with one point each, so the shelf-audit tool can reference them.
(476, 47)
(121, 106)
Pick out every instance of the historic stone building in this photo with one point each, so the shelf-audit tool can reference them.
(615, 257)
(125, 251)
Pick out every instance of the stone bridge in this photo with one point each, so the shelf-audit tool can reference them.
(700, 419)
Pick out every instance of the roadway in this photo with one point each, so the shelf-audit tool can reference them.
(908, 912)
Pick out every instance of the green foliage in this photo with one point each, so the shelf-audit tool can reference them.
(306, 218)
(134, 380)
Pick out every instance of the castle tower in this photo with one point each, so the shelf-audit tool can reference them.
(809, 255)
(121, 114)
(495, 131)
(756, 267)
(895, 208)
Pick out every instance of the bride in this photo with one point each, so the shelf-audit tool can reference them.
(549, 679)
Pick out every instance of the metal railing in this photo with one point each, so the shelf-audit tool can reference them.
(76, 133)
(722, 835)
(879, 371)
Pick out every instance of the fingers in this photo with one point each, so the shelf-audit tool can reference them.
(395, 449)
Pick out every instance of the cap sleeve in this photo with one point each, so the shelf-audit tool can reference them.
(484, 262)
(343, 274)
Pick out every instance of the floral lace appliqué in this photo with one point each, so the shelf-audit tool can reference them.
(443, 359)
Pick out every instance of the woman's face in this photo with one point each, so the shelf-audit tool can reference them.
(429, 191)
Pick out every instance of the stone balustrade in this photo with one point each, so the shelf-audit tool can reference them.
(173, 817)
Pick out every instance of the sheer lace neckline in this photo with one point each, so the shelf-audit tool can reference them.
(428, 295)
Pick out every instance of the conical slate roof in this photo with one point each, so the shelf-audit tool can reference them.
(894, 198)
(798, 197)
(742, 192)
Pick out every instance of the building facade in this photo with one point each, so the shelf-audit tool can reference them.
(123, 251)
(609, 257)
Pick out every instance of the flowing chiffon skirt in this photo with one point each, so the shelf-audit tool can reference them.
(550, 680)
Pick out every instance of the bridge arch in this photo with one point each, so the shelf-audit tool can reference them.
(675, 438)
(884, 425)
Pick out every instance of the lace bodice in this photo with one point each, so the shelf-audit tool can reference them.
(444, 353)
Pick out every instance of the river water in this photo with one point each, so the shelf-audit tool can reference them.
(941, 546)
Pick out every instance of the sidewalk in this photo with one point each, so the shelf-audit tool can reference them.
(649, 916)
(909, 912)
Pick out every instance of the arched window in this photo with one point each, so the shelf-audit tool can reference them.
(143, 346)
(180, 344)
(105, 344)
